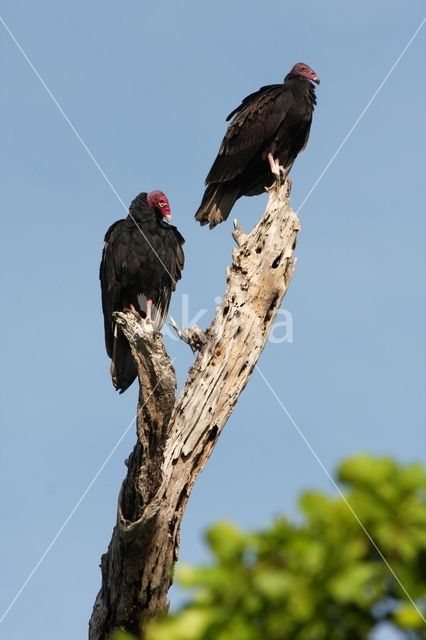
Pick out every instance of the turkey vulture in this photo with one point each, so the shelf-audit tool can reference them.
(141, 262)
(267, 132)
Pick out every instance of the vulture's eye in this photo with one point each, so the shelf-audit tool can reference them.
(162, 204)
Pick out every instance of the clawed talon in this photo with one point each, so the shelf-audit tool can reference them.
(146, 322)
(132, 309)
(276, 169)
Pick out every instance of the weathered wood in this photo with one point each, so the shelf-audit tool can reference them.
(194, 336)
(175, 439)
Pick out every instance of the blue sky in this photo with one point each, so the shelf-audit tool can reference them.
(148, 86)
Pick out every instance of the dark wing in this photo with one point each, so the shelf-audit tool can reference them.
(113, 255)
(178, 256)
(253, 123)
(138, 262)
(170, 251)
(252, 97)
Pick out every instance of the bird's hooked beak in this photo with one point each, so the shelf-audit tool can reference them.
(164, 207)
(165, 211)
(316, 79)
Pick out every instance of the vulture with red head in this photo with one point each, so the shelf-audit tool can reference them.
(266, 133)
(142, 261)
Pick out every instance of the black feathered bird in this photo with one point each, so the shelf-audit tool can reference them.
(141, 262)
(267, 132)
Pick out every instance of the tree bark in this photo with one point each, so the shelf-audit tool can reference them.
(175, 438)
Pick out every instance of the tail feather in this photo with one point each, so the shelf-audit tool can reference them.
(123, 368)
(217, 203)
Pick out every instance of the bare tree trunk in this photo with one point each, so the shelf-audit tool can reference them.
(175, 439)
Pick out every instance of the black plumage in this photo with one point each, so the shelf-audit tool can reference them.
(274, 121)
(142, 261)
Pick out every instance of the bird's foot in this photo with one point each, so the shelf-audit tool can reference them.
(277, 170)
(149, 309)
(147, 321)
(132, 309)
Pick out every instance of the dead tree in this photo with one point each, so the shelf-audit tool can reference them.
(175, 437)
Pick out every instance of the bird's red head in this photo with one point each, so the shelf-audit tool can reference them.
(159, 201)
(303, 70)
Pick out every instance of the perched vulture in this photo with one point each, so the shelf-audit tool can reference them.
(267, 132)
(141, 262)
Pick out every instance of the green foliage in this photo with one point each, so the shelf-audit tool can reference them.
(122, 635)
(323, 579)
